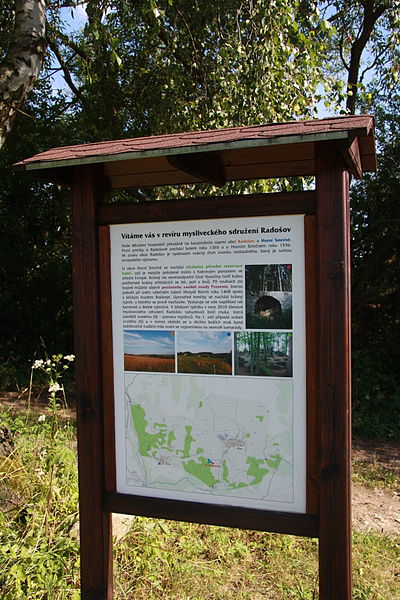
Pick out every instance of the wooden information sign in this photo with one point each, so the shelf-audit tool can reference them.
(212, 336)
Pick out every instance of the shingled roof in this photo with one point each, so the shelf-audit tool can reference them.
(237, 152)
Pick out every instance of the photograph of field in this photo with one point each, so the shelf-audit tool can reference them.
(149, 351)
(204, 352)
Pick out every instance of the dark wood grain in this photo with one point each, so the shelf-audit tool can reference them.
(312, 310)
(327, 312)
(334, 374)
(289, 203)
(350, 151)
(206, 166)
(95, 522)
(227, 516)
(107, 359)
(258, 162)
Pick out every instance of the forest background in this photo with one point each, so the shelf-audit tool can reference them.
(74, 72)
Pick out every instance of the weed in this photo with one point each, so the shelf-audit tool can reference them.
(38, 503)
(374, 475)
(156, 559)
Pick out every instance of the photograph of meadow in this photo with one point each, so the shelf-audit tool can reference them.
(205, 352)
(149, 351)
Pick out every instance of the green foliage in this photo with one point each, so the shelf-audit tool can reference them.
(264, 370)
(363, 56)
(139, 68)
(35, 245)
(148, 67)
(6, 25)
(194, 65)
(38, 504)
(155, 559)
(159, 559)
(375, 220)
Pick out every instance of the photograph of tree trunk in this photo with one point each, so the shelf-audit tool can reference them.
(263, 353)
(268, 296)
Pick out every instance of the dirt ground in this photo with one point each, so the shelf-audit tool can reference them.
(374, 508)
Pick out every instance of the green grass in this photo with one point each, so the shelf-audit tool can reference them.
(178, 561)
(375, 475)
(38, 508)
(184, 561)
(156, 560)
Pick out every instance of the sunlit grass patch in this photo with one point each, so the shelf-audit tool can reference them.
(177, 561)
(156, 559)
(376, 566)
(186, 561)
(38, 510)
(375, 475)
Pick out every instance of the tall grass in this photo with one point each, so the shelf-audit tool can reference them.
(156, 559)
(161, 560)
(39, 499)
(204, 365)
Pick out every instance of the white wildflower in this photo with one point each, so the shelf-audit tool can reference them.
(37, 364)
(70, 357)
(42, 418)
(55, 387)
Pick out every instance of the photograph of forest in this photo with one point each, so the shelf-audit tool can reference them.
(206, 352)
(149, 351)
(268, 296)
(264, 354)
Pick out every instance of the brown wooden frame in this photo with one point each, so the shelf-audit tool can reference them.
(333, 368)
(95, 521)
(197, 512)
(328, 374)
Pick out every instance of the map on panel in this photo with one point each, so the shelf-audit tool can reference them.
(183, 435)
(209, 361)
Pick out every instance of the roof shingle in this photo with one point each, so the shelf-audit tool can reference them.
(158, 144)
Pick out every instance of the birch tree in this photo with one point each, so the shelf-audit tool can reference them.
(23, 62)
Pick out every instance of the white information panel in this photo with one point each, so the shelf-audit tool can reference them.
(209, 360)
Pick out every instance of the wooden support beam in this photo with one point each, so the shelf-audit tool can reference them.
(310, 247)
(226, 516)
(350, 150)
(207, 166)
(95, 522)
(332, 212)
(249, 205)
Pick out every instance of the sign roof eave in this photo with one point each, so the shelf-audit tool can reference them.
(200, 148)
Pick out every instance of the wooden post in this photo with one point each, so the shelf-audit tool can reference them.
(95, 522)
(332, 185)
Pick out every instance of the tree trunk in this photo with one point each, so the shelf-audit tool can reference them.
(24, 60)
(236, 353)
(289, 351)
(372, 12)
